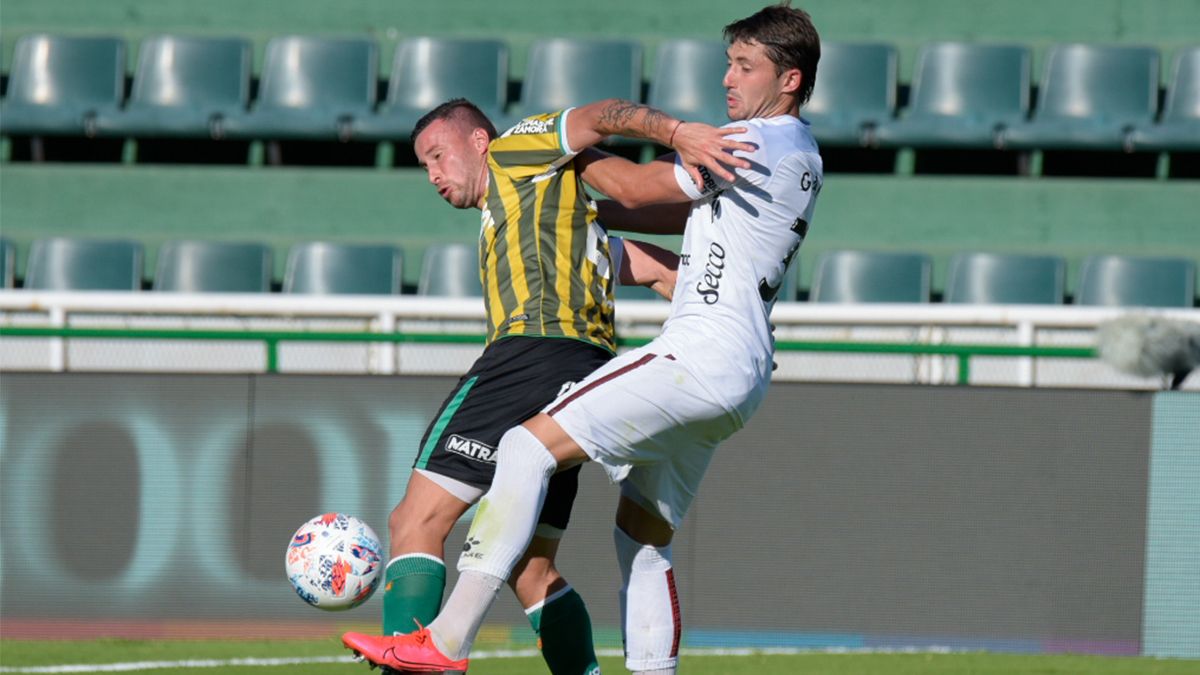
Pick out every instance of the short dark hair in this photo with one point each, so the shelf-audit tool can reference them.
(789, 37)
(459, 109)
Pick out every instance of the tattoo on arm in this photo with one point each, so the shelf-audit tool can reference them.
(632, 119)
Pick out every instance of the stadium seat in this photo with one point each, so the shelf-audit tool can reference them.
(64, 264)
(864, 276)
(1092, 97)
(183, 87)
(1128, 281)
(962, 96)
(58, 85)
(8, 263)
(566, 72)
(326, 268)
(429, 71)
(1179, 128)
(1005, 279)
(854, 92)
(311, 88)
(213, 267)
(687, 81)
(450, 270)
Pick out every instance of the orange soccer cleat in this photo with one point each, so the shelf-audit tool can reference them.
(411, 652)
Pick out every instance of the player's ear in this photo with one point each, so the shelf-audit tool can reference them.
(791, 80)
(479, 140)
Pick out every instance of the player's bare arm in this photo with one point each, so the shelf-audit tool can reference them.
(697, 144)
(644, 264)
(630, 184)
(650, 219)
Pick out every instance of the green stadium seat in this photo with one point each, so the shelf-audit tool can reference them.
(213, 267)
(1092, 97)
(8, 263)
(326, 268)
(450, 270)
(184, 87)
(855, 91)
(1128, 281)
(687, 82)
(429, 71)
(1006, 279)
(962, 96)
(59, 85)
(65, 264)
(311, 88)
(565, 72)
(1179, 128)
(865, 276)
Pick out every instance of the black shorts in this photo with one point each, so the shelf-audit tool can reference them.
(512, 381)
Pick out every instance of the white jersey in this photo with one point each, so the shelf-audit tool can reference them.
(653, 416)
(737, 249)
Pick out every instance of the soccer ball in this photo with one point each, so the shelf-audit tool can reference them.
(335, 562)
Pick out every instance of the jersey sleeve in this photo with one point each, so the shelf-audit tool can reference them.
(532, 146)
(755, 175)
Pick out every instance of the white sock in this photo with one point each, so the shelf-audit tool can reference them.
(502, 529)
(650, 621)
(454, 629)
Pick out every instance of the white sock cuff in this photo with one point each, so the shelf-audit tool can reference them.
(548, 599)
(519, 441)
(406, 556)
(634, 555)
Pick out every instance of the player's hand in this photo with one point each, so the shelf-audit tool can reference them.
(699, 145)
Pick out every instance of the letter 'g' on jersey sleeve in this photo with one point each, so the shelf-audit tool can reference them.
(714, 183)
(532, 146)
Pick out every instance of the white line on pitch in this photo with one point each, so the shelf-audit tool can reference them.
(493, 654)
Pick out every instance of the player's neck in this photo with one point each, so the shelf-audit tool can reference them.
(780, 107)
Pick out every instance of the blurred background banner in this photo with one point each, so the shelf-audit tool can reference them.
(842, 516)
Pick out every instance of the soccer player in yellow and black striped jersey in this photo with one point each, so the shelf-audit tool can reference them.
(548, 270)
(545, 261)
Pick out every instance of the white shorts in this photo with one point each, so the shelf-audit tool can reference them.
(649, 421)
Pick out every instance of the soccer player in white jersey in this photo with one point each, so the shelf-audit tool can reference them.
(652, 417)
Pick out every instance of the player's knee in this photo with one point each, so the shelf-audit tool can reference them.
(642, 526)
(534, 579)
(413, 518)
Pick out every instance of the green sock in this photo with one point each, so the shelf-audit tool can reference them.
(565, 635)
(412, 589)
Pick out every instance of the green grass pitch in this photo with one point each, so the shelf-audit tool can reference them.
(213, 656)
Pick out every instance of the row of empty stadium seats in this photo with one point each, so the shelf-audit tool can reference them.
(962, 94)
(992, 278)
(452, 270)
(242, 267)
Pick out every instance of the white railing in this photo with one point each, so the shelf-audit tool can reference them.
(928, 324)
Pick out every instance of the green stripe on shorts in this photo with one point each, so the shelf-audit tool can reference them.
(435, 435)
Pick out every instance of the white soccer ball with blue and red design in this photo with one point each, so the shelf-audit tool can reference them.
(335, 561)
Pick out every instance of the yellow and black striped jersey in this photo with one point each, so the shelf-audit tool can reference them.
(544, 260)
